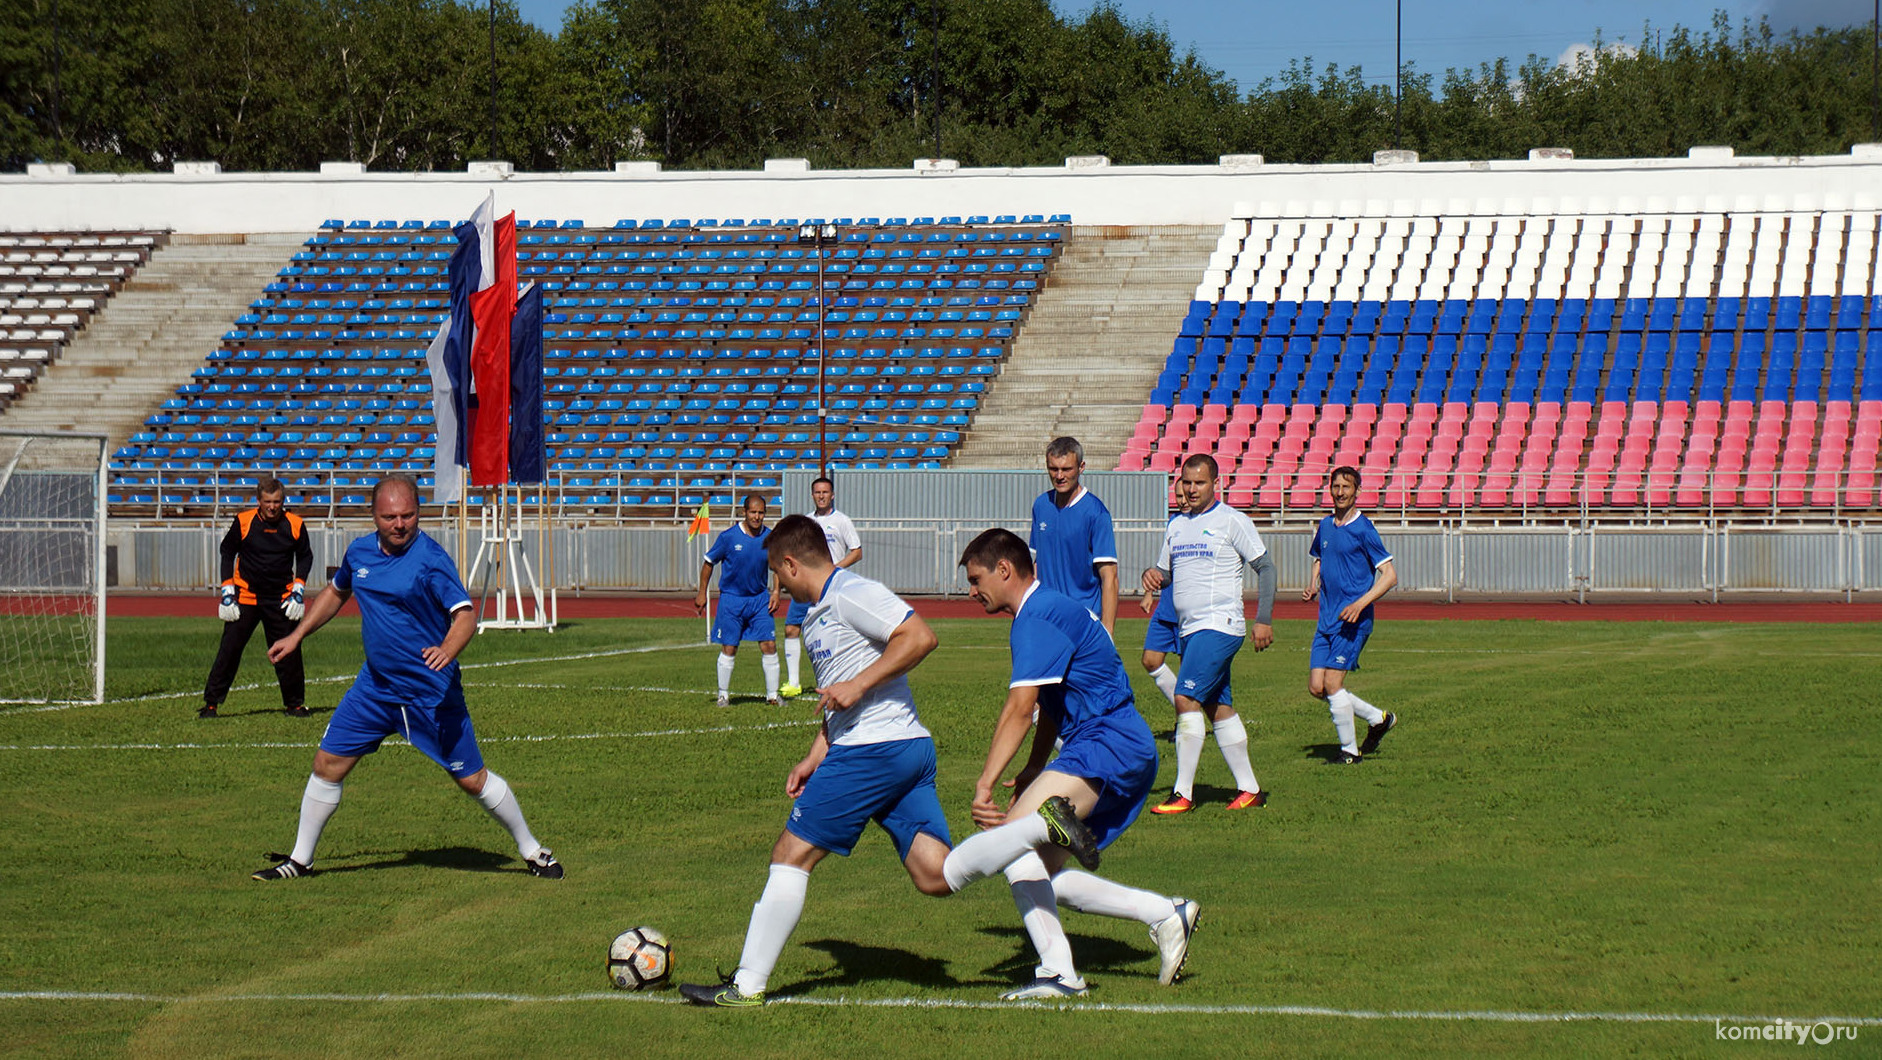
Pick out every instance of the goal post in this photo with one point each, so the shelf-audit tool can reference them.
(52, 567)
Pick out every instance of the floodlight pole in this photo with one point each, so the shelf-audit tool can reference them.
(820, 235)
(1398, 68)
(493, 80)
(1875, 64)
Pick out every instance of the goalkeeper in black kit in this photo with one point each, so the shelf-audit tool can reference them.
(265, 560)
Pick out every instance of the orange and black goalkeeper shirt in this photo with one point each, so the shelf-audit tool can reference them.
(264, 558)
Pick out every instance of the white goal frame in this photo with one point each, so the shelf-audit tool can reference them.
(15, 451)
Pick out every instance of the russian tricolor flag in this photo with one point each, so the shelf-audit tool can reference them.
(486, 364)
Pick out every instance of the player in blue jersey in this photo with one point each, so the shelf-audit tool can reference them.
(1351, 571)
(1204, 550)
(746, 599)
(1066, 667)
(871, 760)
(415, 617)
(1074, 549)
(846, 547)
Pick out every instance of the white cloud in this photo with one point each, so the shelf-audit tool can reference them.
(1581, 52)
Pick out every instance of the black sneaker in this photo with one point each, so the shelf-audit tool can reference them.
(1375, 733)
(1065, 829)
(207, 710)
(544, 864)
(724, 995)
(297, 711)
(287, 869)
(1343, 757)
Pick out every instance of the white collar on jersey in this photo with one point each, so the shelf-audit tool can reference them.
(1351, 517)
(1076, 497)
(1031, 589)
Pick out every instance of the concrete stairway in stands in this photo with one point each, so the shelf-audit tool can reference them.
(152, 334)
(1090, 352)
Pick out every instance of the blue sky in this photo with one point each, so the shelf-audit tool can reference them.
(1253, 39)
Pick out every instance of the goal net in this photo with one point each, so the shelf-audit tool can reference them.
(52, 576)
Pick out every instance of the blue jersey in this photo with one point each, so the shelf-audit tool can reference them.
(405, 606)
(1068, 543)
(742, 557)
(1059, 648)
(1349, 555)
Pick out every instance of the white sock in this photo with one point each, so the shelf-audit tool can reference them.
(1231, 738)
(318, 802)
(725, 672)
(1080, 890)
(1037, 904)
(988, 852)
(1191, 730)
(1365, 711)
(1166, 681)
(501, 804)
(1340, 705)
(793, 651)
(773, 918)
(769, 663)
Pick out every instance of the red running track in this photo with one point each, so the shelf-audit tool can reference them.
(202, 605)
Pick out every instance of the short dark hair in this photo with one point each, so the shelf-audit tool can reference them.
(393, 481)
(823, 480)
(992, 546)
(1202, 460)
(799, 537)
(750, 497)
(1065, 445)
(269, 484)
(1345, 471)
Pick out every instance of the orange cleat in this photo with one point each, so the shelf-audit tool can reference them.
(1175, 804)
(1249, 799)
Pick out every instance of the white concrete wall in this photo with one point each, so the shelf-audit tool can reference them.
(1092, 194)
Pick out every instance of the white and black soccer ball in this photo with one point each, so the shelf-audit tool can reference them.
(639, 959)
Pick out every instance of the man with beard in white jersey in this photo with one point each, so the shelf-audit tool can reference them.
(1204, 549)
(846, 547)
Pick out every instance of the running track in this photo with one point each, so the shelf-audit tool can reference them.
(202, 605)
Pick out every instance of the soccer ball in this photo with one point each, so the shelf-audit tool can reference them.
(639, 958)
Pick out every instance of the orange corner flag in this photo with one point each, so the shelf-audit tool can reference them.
(701, 524)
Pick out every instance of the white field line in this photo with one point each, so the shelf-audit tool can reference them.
(396, 741)
(1459, 1016)
(335, 678)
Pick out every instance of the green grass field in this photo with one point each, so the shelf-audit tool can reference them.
(1642, 821)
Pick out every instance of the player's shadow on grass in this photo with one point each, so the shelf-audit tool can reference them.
(1094, 953)
(465, 859)
(858, 964)
(1325, 752)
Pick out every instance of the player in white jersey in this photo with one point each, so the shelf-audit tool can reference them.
(846, 547)
(1204, 549)
(871, 759)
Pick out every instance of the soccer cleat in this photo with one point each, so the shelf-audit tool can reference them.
(1247, 799)
(774, 702)
(1172, 938)
(725, 700)
(1045, 988)
(297, 711)
(287, 869)
(544, 864)
(1174, 804)
(1343, 757)
(1375, 733)
(1065, 829)
(207, 710)
(725, 995)
(790, 691)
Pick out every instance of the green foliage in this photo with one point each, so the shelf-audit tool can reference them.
(1572, 817)
(405, 85)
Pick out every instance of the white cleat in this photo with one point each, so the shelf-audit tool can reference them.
(1172, 938)
(1046, 988)
(725, 700)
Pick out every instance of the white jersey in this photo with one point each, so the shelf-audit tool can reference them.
(1204, 553)
(838, 533)
(845, 632)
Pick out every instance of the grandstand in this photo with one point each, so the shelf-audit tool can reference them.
(1525, 337)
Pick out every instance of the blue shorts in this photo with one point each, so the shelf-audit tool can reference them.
(1207, 655)
(889, 783)
(443, 732)
(1339, 651)
(1162, 635)
(743, 618)
(796, 615)
(1121, 759)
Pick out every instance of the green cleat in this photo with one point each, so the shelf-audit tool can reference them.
(1066, 830)
(725, 995)
(790, 691)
